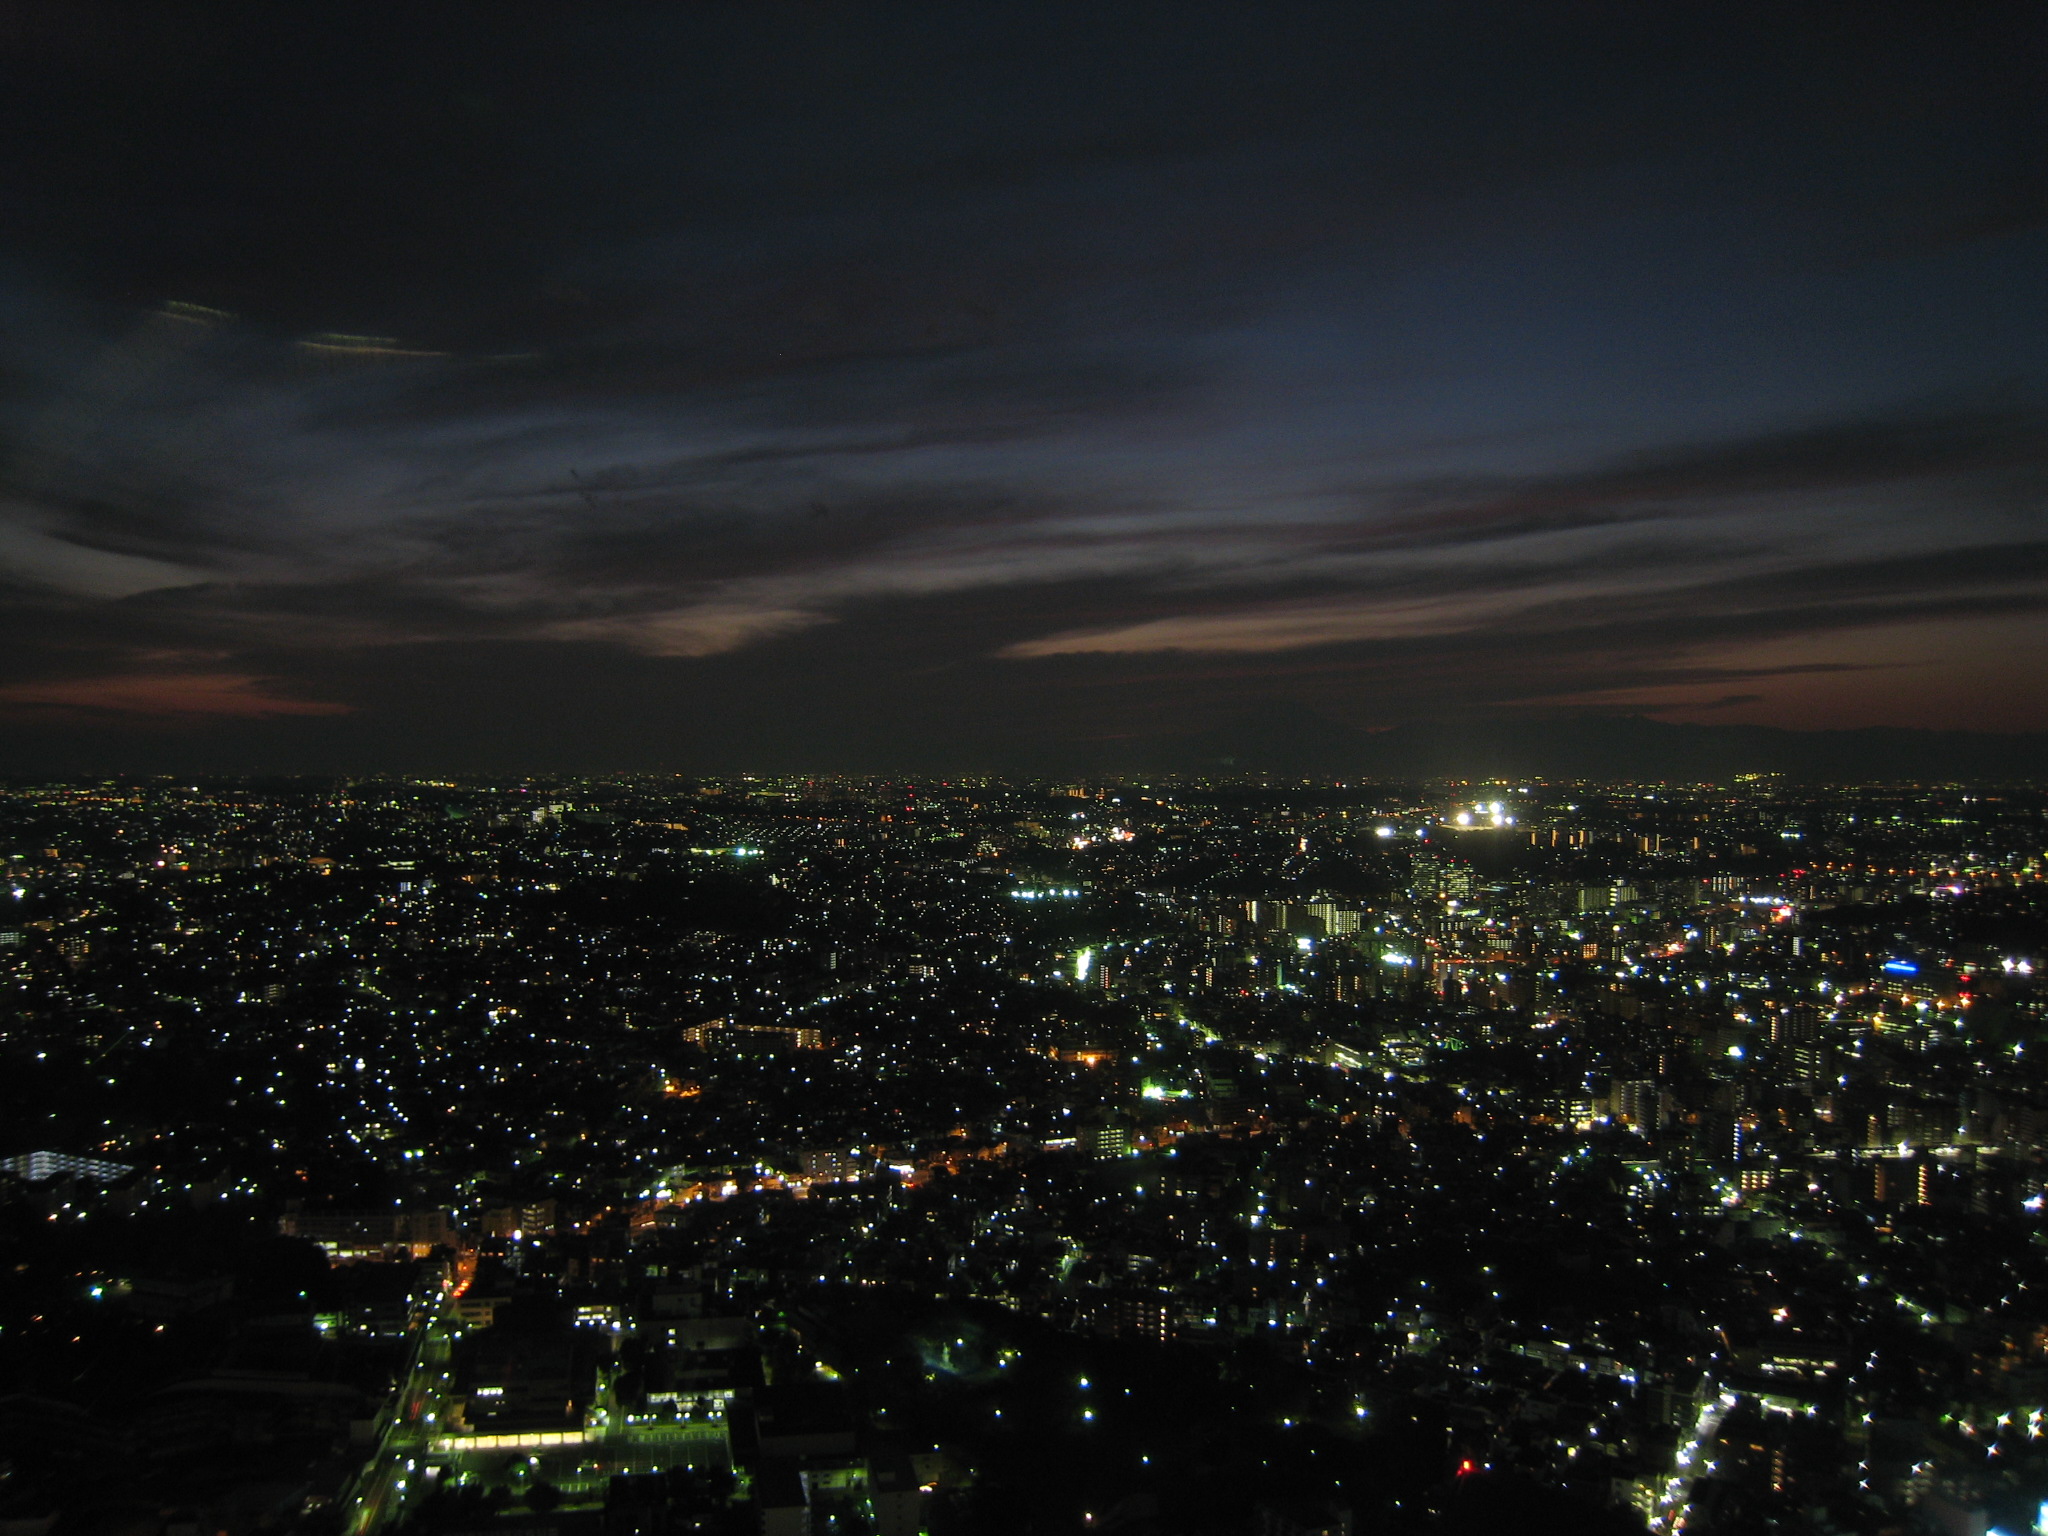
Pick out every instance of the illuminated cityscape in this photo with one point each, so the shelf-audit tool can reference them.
(851, 1155)
(1172, 768)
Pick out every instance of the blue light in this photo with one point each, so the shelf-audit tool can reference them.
(1902, 967)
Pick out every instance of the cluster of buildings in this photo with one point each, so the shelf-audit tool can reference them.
(1678, 1152)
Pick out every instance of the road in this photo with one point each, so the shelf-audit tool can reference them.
(391, 1478)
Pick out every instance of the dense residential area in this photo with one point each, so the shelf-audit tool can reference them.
(864, 1158)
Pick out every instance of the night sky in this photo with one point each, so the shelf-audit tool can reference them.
(939, 387)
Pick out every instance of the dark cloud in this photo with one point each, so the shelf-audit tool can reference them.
(835, 383)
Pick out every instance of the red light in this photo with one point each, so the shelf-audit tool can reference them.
(1467, 1468)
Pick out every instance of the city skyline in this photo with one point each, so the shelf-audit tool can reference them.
(1047, 769)
(749, 1155)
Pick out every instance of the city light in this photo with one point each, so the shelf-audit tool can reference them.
(652, 1126)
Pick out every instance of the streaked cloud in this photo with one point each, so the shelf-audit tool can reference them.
(1382, 359)
(163, 695)
(706, 630)
(31, 555)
